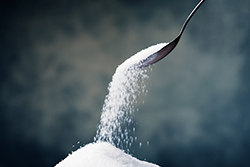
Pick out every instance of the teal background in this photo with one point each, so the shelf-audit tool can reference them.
(58, 57)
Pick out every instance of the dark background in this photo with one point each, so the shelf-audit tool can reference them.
(58, 56)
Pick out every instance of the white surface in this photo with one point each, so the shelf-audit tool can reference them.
(101, 154)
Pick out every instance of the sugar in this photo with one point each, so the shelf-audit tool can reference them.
(127, 83)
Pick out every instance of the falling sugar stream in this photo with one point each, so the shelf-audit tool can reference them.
(117, 112)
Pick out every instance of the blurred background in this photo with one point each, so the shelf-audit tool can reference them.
(57, 58)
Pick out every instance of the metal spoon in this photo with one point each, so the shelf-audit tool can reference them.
(170, 46)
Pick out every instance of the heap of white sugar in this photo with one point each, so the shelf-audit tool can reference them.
(101, 155)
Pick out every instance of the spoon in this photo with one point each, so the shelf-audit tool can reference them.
(155, 57)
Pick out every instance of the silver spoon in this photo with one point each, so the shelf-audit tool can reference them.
(155, 57)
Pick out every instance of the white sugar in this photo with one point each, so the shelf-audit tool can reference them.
(101, 154)
(127, 83)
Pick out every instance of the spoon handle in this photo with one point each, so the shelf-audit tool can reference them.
(190, 16)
